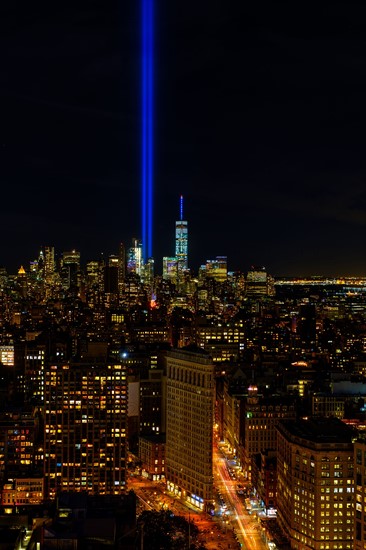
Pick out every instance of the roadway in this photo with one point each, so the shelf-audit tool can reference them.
(223, 531)
(246, 527)
(153, 496)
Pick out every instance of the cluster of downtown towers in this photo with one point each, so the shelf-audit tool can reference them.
(106, 359)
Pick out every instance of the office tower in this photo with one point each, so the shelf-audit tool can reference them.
(122, 267)
(170, 268)
(93, 270)
(85, 428)
(181, 240)
(259, 418)
(315, 483)
(131, 292)
(147, 272)
(189, 426)
(111, 282)
(70, 270)
(135, 261)
(18, 435)
(33, 379)
(22, 282)
(217, 269)
(48, 256)
(257, 284)
(329, 404)
(224, 341)
(152, 402)
(150, 333)
(360, 493)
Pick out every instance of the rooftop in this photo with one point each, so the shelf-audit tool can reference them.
(319, 430)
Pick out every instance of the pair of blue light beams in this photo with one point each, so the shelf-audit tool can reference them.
(147, 129)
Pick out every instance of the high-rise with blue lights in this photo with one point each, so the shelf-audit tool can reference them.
(181, 240)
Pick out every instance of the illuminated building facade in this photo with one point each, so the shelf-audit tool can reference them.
(152, 456)
(85, 428)
(49, 264)
(147, 272)
(7, 355)
(325, 404)
(189, 426)
(152, 403)
(217, 269)
(93, 270)
(151, 333)
(360, 494)
(181, 240)
(223, 341)
(111, 281)
(70, 270)
(135, 260)
(256, 283)
(252, 421)
(18, 434)
(22, 492)
(33, 381)
(22, 281)
(315, 483)
(170, 268)
(264, 479)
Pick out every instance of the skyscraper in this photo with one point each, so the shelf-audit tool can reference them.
(135, 260)
(71, 270)
(170, 268)
(181, 240)
(49, 264)
(189, 426)
(360, 493)
(257, 285)
(315, 483)
(85, 428)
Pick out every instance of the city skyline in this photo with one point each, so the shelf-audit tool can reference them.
(259, 124)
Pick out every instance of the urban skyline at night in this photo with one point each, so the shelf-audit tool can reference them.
(180, 245)
(182, 276)
(219, 396)
(254, 125)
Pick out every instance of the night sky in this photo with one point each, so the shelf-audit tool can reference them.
(260, 124)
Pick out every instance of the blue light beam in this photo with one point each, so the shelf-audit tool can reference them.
(147, 129)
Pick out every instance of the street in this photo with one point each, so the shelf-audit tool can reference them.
(246, 527)
(231, 526)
